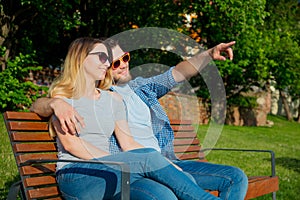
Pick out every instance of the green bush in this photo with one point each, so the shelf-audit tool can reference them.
(17, 92)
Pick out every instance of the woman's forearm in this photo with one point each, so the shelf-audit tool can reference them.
(132, 145)
(124, 136)
(76, 145)
(83, 149)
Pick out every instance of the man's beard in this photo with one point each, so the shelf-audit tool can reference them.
(123, 80)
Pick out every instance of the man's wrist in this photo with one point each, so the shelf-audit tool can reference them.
(210, 52)
(53, 102)
(201, 58)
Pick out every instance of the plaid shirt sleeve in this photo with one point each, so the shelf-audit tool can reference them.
(158, 85)
(114, 146)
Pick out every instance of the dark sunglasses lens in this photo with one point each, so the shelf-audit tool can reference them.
(116, 64)
(103, 57)
(126, 58)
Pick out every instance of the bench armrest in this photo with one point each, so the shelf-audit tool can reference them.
(273, 172)
(125, 171)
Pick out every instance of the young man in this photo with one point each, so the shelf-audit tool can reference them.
(150, 125)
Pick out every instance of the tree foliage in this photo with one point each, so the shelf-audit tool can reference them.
(227, 20)
(266, 34)
(283, 28)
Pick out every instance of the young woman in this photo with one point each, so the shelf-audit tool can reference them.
(104, 113)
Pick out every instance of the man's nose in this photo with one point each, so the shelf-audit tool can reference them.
(123, 65)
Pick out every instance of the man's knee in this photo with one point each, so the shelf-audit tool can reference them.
(239, 176)
(148, 189)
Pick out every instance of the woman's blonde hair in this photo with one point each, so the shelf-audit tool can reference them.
(71, 83)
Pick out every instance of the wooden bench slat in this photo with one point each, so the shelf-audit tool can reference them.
(188, 141)
(40, 180)
(216, 193)
(184, 134)
(256, 178)
(185, 149)
(38, 169)
(180, 122)
(29, 136)
(54, 198)
(11, 115)
(41, 147)
(182, 128)
(261, 186)
(29, 147)
(188, 156)
(43, 192)
(28, 126)
(45, 156)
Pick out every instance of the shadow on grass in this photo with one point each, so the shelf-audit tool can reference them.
(289, 163)
(4, 191)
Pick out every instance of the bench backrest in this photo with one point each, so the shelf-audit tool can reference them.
(30, 139)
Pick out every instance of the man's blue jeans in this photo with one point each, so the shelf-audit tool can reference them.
(230, 181)
(147, 189)
(92, 181)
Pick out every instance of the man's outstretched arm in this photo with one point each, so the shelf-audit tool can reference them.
(68, 117)
(192, 66)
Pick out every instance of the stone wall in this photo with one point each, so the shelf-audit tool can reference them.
(277, 107)
(180, 106)
(240, 116)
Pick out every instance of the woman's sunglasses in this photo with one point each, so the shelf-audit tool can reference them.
(125, 58)
(102, 56)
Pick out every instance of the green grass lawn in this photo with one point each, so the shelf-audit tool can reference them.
(8, 169)
(283, 138)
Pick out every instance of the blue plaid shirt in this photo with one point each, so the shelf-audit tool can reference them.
(150, 90)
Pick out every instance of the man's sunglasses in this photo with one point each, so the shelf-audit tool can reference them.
(102, 56)
(125, 58)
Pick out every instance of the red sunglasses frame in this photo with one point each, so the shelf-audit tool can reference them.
(121, 59)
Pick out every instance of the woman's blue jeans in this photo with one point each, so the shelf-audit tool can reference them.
(92, 181)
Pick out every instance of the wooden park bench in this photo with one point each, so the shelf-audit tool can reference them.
(35, 153)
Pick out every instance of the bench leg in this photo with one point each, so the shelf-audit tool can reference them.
(14, 191)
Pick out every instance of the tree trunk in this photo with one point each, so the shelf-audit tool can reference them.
(286, 106)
